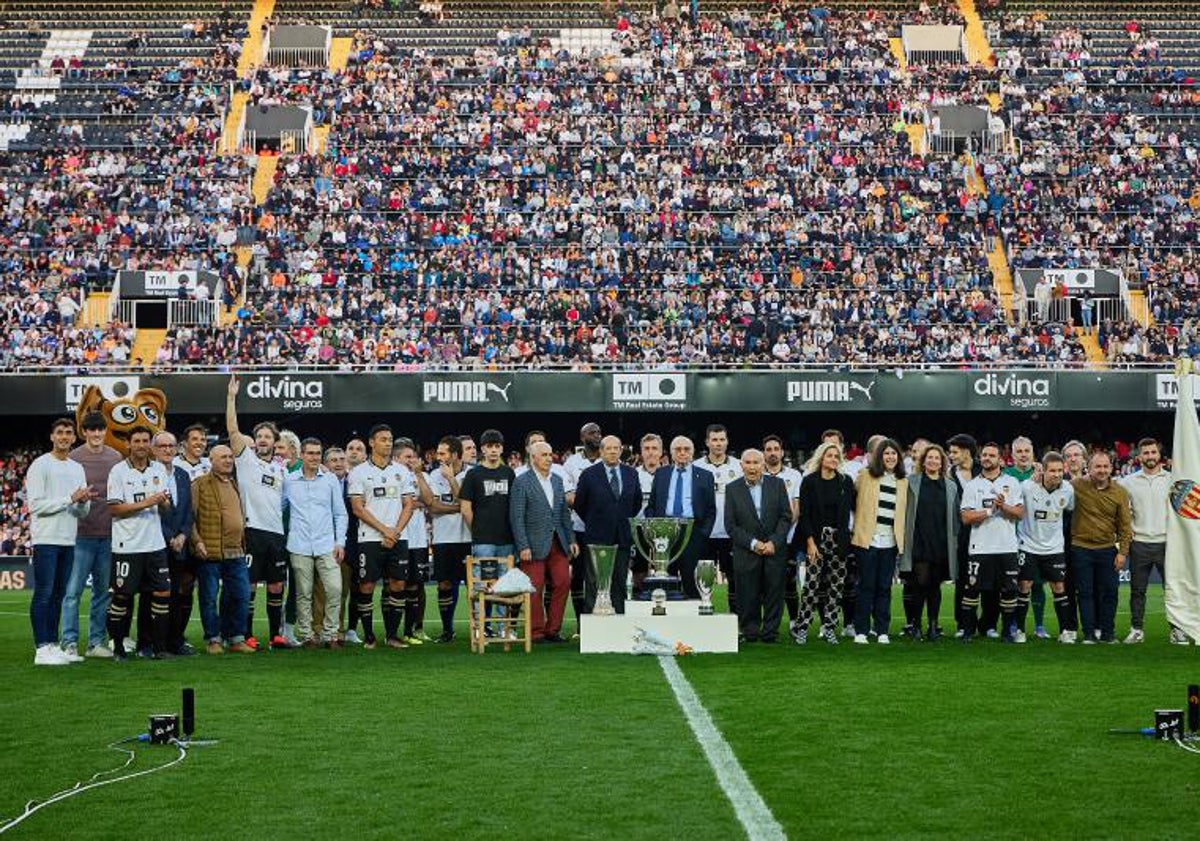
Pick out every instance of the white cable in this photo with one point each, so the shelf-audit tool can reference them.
(33, 806)
(1187, 748)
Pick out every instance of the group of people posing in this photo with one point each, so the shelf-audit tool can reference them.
(339, 523)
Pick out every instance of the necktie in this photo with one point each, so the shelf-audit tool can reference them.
(614, 482)
(677, 507)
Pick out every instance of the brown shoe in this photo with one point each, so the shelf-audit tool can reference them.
(311, 642)
(395, 643)
(335, 644)
(240, 648)
(215, 647)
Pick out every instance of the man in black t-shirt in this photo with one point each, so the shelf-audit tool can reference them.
(483, 499)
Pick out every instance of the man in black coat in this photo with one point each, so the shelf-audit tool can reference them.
(607, 496)
(758, 516)
(684, 490)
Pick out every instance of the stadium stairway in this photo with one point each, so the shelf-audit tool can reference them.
(233, 121)
(95, 310)
(1139, 308)
(252, 48)
(1091, 345)
(897, 47)
(977, 43)
(339, 53)
(264, 177)
(146, 343)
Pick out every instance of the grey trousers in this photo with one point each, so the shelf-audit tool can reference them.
(1143, 557)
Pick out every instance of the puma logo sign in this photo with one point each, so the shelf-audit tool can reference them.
(865, 389)
(503, 392)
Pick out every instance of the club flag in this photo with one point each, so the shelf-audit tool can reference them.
(1182, 567)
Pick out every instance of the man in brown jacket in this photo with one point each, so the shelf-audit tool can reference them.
(218, 542)
(1100, 537)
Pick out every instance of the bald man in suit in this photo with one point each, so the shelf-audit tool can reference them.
(758, 516)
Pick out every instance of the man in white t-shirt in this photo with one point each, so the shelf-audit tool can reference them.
(57, 493)
(992, 505)
(260, 483)
(1048, 500)
(138, 493)
(417, 536)
(451, 537)
(582, 588)
(383, 496)
(724, 470)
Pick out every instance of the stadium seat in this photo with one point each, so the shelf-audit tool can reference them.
(516, 623)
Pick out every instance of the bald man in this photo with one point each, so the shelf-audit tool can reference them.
(607, 496)
(684, 490)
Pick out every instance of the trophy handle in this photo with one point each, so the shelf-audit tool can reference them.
(683, 538)
(638, 539)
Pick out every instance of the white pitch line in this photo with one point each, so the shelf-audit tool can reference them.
(752, 811)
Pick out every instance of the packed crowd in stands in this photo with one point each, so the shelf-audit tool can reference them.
(14, 516)
(742, 190)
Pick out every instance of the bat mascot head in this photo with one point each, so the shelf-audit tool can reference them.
(148, 407)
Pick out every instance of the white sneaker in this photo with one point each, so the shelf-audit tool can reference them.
(993, 634)
(1178, 637)
(1089, 641)
(959, 634)
(71, 652)
(1096, 634)
(1041, 633)
(884, 640)
(1067, 637)
(352, 638)
(50, 655)
(848, 632)
(1018, 636)
(103, 652)
(129, 645)
(861, 639)
(1135, 635)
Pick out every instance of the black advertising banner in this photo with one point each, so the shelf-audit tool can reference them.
(280, 394)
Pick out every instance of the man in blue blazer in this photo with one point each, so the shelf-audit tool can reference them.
(544, 539)
(176, 527)
(607, 496)
(684, 490)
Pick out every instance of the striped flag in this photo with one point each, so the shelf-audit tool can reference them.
(1182, 568)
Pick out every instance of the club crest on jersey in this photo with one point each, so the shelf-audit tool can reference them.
(1185, 499)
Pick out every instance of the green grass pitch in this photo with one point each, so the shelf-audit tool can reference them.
(911, 741)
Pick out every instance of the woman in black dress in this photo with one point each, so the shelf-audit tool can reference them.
(932, 528)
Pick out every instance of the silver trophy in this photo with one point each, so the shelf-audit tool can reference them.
(706, 577)
(603, 559)
(662, 540)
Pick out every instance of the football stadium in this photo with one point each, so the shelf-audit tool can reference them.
(600, 418)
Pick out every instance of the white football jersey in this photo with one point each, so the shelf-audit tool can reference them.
(383, 490)
(140, 532)
(576, 464)
(1041, 529)
(261, 486)
(996, 535)
(194, 471)
(722, 475)
(447, 528)
(792, 478)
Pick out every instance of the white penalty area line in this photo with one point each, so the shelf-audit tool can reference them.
(752, 811)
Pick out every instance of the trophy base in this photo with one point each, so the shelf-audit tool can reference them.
(669, 584)
(705, 610)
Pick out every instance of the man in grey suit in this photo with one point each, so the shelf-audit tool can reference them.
(544, 538)
(758, 516)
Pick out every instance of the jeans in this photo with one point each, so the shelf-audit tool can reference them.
(1095, 574)
(876, 568)
(93, 556)
(1143, 558)
(493, 550)
(232, 579)
(51, 569)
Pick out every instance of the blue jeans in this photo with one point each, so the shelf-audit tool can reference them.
(1095, 573)
(51, 569)
(492, 550)
(232, 579)
(93, 557)
(876, 568)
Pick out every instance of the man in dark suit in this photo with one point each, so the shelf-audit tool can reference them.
(758, 516)
(176, 526)
(683, 490)
(607, 496)
(544, 538)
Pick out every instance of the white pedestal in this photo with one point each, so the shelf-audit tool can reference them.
(614, 634)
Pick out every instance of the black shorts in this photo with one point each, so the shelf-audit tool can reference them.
(138, 572)
(992, 573)
(1052, 567)
(181, 563)
(266, 556)
(418, 565)
(375, 562)
(448, 561)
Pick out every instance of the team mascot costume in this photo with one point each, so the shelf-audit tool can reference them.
(148, 408)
